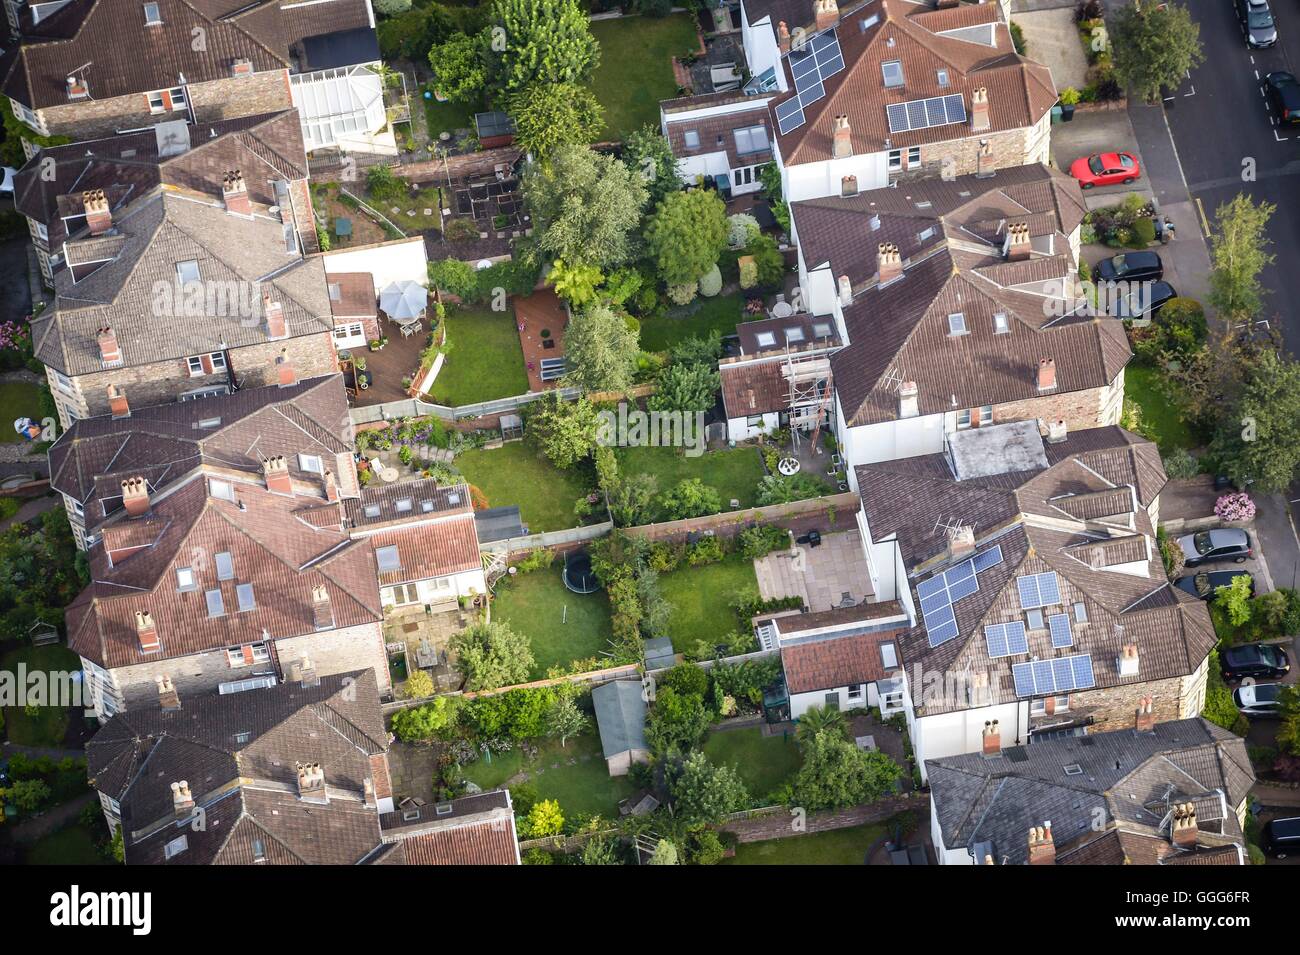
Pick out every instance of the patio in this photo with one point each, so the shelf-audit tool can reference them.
(541, 320)
(832, 572)
(399, 359)
(427, 635)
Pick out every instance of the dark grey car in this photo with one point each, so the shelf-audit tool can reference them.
(1257, 21)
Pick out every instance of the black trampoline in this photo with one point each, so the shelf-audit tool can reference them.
(577, 573)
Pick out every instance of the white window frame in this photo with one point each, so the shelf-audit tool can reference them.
(154, 18)
(963, 419)
(186, 581)
(895, 160)
(1001, 324)
(223, 490)
(311, 463)
(986, 415)
(913, 156)
(855, 691)
(351, 335)
(691, 134)
(402, 595)
(242, 590)
(388, 550)
(195, 363)
(176, 846)
(1034, 619)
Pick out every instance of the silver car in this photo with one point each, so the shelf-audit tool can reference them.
(1257, 20)
(1221, 543)
(1258, 699)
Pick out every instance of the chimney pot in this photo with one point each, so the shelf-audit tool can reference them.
(992, 741)
(961, 540)
(99, 217)
(331, 486)
(1018, 242)
(827, 13)
(235, 193)
(1042, 848)
(979, 110)
(135, 496)
(783, 36)
(1185, 829)
(846, 290)
(110, 353)
(889, 263)
(168, 698)
(322, 613)
(1057, 431)
(276, 471)
(1145, 719)
(146, 632)
(182, 800)
(908, 402)
(1046, 374)
(1128, 661)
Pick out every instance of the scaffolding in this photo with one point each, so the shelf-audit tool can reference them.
(808, 383)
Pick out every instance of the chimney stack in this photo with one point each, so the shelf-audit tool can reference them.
(109, 351)
(908, 404)
(827, 13)
(147, 632)
(331, 486)
(1042, 848)
(1018, 244)
(846, 291)
(1184, 830)
(274, 312)
(168, 698)
(979, 110)
(241, 67)
(235, 193)
(99, 217)
(182, 801)
(77, 88)
(1128, 660)
(276, 471)
(286, 376)
(322, 613)
(889, 264)
(848, 185)
(135, 496)
(783, 37)
(992, 745)
(1057, 431)
(1046, 374)
(311, 783)
(117, 403)
(1145, 719)
(961, 540)
(369, 792)
(303, 673)
(842, 136)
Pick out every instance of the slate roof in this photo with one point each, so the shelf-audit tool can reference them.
(620, 716)
(1130, 780)
(239, 754)
(1019, 512)
(834, 661)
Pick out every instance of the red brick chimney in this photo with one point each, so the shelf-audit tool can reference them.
(1018, 245)
(1184, 829)
(979, 110)
(146, 632)
(117, 404)
(322, 614)
(286, 376)
(783, 37)
(311, 783)
(99, 217)
(827, 13)
(992, 743)
(1042, 848)
(276, 471)
(135, 496)
(235, 193)
(182, 800)
(168, 698)
(842, 145)
(961, 541)
(1046, 374)
(109, 351)
(274, 312)
(241, 67)
(889, 264)
(331, 486)
(1144, 720)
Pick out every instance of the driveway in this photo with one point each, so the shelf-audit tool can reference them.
(1099, 131)
(1052, 38)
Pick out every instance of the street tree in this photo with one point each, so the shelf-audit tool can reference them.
(1154, 47)
(1238, 254)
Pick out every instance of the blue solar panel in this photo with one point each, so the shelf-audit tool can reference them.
(942, 634)
(962, 588)
(955, 107)
(789, 115)
(810, 65)
(1083, 677)
(1060, 675)
(1028, 587)
(932, 586)
(995, 637)
(1006, 639)
(1038, 590)
(963, 571)
(989, 558)
(933, 602)
(1062, 635)
(925, 113)
(1017, 641)
(1023, 675)
(1048, 590)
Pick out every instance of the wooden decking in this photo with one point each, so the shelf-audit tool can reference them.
(541, 311)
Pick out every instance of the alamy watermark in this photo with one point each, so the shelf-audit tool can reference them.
(629, 427)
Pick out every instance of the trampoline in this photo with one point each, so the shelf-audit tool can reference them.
(577, 573)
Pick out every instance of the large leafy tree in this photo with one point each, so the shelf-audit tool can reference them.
(564, 430)
(541, 42)
(585, 207)
(687, 234)
(1239, 252)
(549, 115)
(650, 158)
(835, 774)
(704, 793)
(1154, 47)
(677, 721)
(490, 655)
(460, 65)
(686, 388)
(1259, 440)
(600, 350)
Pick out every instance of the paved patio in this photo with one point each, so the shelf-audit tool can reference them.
(1052, 39)
(416, 628)
(836, 568)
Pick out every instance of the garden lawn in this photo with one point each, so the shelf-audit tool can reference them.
(636, 69)
(484, 361)
(74, 845)
(837, 847)
(735, 473)
(50, 723)
(701, 598)
(1158, 419)
(517, 474)
(448, 117)
(704, 315)
(18, 399)
(764, 762)
(575, 775)
(415, 203)
(561, 626)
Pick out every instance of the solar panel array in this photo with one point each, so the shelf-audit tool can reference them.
(941, 591)
(1062, 635)
(1049, 677)
(1006, 639)
(926, 113)
(1038, 590)
(818, 61)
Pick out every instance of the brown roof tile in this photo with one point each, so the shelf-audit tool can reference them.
(835, 661)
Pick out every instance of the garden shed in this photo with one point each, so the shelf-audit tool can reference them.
(620, 715)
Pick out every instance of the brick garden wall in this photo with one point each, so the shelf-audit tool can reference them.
(777, 825)
(799, 516)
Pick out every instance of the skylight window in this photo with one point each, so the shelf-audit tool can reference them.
(187, 272)
(152, 15)
(404, 505)
(1000, 324)
(765, 339)
(225, 566)
(244, 593)
(372, 510)
(941, 77)
(957, 324)
(388, 558)
(216, 605)
(892, 70)
(794, 334)
(692, 139)
(751, 140)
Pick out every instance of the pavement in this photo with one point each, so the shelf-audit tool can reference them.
(1053, 40)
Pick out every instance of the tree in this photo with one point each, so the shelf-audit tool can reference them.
(575, 283)
(677, 721)
(630, 498)
(690, 498)
(649, 157)
(419, 685)
(704, 793)
(545, 819)
(665, 853)
(492, 655)
(1288, 733)
(602, 850)
(816, 719)
(564, 430)
(459, 63)
(1259, 441)
(586, 207)
(564, 719)
(600, 350)
(391, 8)
(1234, 600)
(549, 116)
(686, 388)
(1154, 47)
(836, 774)
(454, 277)
(29, 794)
(541, 43)
(1238, 250)
(428, 721)
(687, 234)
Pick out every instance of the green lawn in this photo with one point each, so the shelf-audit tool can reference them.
(735, 473)
(636, 69)
(561, 626)
(18, 399)
(1159, 419)
(764, 762)
(721, 313)
(517, 474)
(484, 360)
(49, 724)
(837, 847)
(701, 598)
(575, 776)
(448, 117)
(74, 845)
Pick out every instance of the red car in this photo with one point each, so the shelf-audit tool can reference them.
(1105, 169)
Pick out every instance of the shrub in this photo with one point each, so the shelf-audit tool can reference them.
(539, 559)
(383, 185)
(706, 550)
(742, 228)
(780, 489)
(1181, 465)
(683, 294)
(665, 557)
(687, 678)
(690, 498)
(711, 282)
(761, 539)
(748, 272)
(1144, 232)
(1236, 506)
(1089, 10)
(1172, 555)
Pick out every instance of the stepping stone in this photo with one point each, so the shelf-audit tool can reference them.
(410, 212)
(428, 212)
(394, 210)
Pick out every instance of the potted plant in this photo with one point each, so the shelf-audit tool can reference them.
(379, 343)
(1069, 99)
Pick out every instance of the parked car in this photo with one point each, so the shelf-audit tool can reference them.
(1281, 837)
(1259, 661)
(1282, 90)
(1205, 583)
(1143, 300)
(1221, 543)
(1259, 700)
(1131, 267)
(1105, 169)
(1257, 21)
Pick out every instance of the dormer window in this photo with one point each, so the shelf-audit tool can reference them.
(152, 15)
(957, 324)
(892, 71)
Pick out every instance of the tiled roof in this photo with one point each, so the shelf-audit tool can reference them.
(352, 295)
(754, 388)
(831, 662)
(717, 133)
(448, 546)
(425, 498)
(472, 830)
(283, 557)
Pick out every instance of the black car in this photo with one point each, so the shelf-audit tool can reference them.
(1282, 837)
(1131, 267)
(1205, 583)
(1257, 22)
(1143, 299)
(1219, 543)
(1283, 92)
(1259, 661)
